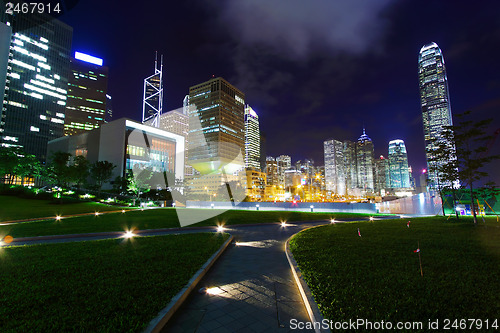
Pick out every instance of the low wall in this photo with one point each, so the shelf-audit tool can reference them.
(327, 207)
(421, 204)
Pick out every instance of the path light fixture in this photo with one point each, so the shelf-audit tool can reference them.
(128, 234)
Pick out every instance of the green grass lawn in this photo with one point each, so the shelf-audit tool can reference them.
(97, 286)
(155, 219)
(377, 276)
(14, 208)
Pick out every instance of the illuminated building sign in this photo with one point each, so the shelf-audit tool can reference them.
(88, 58)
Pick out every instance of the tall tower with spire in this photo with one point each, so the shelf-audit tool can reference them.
(435, 101)
(365, 163)
(152, 104)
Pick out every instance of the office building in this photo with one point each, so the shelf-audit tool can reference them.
(177, 122)
(398, 165)
(284, 163)
(35, 96)
(382, 179)
(335, 177)
(252, 139)
(434, 98)
(255, 184)
(128, 145)
(216, 127)
(364, 163)
(272, 171)
(86, 107)
(351, 170)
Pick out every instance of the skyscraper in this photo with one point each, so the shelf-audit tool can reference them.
(37, 81)
(177, 122)
(398, 165)
(152, 103)
(334, 167)
(351, 170)
(284, 163)
(382, 179)
(435, 99)
(364, 163)
(216, 126)
(86, 107)
(272, 171)
(216, 134)
(252, 139)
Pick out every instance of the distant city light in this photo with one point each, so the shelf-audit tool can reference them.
(96, 213)
(88, 58)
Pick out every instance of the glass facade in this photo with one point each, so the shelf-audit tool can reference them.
(434, 97)
(35, 97)
(364, 163)
(216, 124)
(382, 179)
(252, 139)
(351, 170)
(159, 154)
(334, 167)
(87, 102)
(398, 165)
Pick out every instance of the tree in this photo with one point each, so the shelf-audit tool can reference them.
(470, 138)
(138, 180)
(9, 159)
(80, 170)
(28, 165)
(59, 163)
(443, 164)
(101, 172)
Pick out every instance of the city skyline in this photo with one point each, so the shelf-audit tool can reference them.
(371, 81)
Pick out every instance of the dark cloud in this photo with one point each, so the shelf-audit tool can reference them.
(295, 27)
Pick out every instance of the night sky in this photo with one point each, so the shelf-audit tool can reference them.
(312, 70)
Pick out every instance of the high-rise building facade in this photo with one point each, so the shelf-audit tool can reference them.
(351, 170)
(216, 126)
(177, 122)
(434, 98)
(272, 171)
(36, 86)
(86, 106)
(284, 163)
(364, 163)
(252, 139)
(398, 165)
(382, 178)
(334, 167)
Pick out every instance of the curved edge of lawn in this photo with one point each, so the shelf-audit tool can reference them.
(305, 293)
(157, 324)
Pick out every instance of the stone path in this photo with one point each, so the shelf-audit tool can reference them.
(250, 289)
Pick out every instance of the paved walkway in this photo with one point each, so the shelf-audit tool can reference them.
(252, 288)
